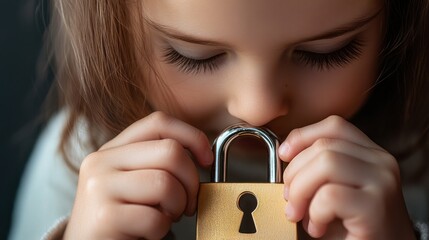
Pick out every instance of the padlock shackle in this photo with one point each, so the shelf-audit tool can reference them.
(222, 142)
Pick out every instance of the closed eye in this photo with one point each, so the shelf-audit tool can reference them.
(190, 65)
(319, 61)
(325, 61)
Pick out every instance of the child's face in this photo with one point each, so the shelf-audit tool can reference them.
(281, 63)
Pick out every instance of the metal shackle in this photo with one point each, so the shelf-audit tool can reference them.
(222, 142)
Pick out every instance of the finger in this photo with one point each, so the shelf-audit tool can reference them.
(341, 146)
(332, 127)
(334, 201)
(141, 221)
(159, 125)
(335, 230)
(329, 167)
(305, 220)
(150, 187)
(165, 154)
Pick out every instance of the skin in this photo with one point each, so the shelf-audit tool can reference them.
(338, 181)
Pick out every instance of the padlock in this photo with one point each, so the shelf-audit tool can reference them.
(228, 211)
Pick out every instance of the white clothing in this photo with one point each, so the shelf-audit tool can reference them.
(47, 188)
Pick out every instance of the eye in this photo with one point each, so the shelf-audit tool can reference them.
(326, 61)
(190, 65)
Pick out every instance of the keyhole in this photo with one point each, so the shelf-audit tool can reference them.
(247, 203)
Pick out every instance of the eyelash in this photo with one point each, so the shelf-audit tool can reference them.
(190, 65)
(320, 61)
(325, 61)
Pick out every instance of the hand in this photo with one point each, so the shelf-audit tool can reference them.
(339, 179)
(138, 183)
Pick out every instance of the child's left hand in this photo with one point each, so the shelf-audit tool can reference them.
(337, 175)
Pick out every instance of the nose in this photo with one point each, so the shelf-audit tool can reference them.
(258, 99)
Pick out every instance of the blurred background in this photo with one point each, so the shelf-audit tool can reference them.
(22, 23)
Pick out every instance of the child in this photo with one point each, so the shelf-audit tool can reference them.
(145, 86)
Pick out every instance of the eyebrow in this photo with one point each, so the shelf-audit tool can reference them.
(342, 30)
(339, 31)
(172, 33)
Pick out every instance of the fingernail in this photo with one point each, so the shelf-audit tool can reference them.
(284, 149)
(209, 158)
(286, 193)
(205, 160)
(191, 208)
(312, 230)
(290, 212)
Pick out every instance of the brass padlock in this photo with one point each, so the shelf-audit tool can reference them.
(243, 210)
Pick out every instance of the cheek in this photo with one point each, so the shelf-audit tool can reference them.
(340, 92)
(343, 90)
(346, 99)
(193, 99)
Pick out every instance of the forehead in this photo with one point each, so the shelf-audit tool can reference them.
(255, 19)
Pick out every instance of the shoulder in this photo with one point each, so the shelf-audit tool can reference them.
(48, 184)
(48, 143)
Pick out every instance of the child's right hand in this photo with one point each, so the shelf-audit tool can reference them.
(135, 185)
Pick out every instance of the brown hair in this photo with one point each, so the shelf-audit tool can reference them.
(396, 114)
(96, 70)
